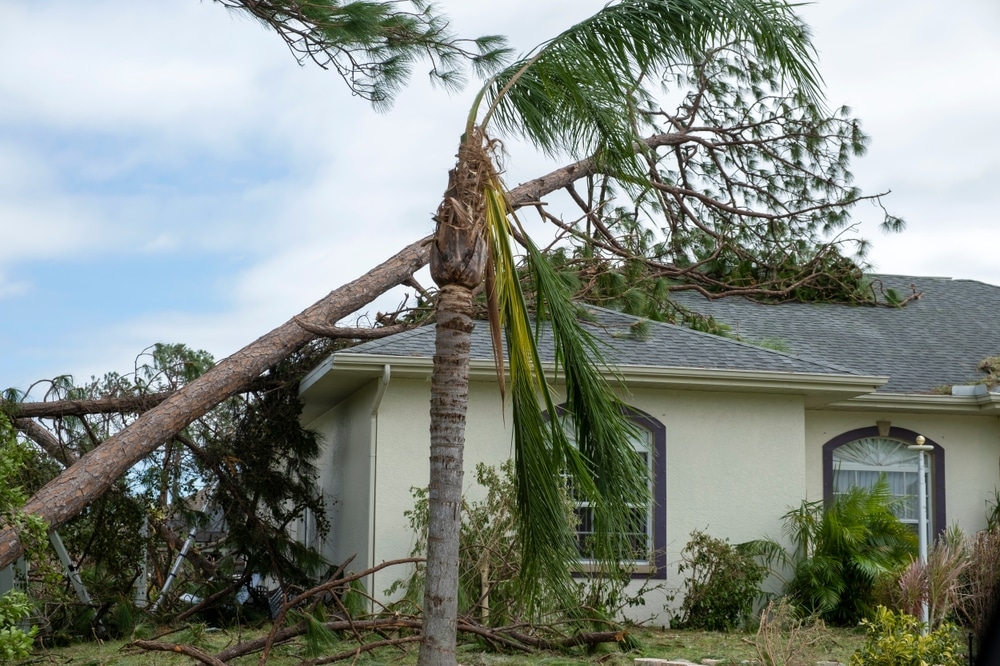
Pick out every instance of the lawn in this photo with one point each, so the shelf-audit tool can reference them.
(734, 647)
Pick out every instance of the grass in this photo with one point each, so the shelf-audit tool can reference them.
(733, 647)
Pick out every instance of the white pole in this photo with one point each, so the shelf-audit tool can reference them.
(922, 521)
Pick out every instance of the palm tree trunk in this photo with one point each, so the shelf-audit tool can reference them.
(449, 400)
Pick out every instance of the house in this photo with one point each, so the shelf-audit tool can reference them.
(736, 432)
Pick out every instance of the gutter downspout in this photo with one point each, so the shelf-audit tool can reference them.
(383, 384)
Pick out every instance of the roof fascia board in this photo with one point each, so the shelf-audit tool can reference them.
(988, 404)
(833, 385)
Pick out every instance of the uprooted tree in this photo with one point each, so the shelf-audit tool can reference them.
(373, 45)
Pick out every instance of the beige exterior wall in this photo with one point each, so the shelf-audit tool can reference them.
(403, 446)
(715, 481)
(344, 469)
(972, 455)
(735, 463)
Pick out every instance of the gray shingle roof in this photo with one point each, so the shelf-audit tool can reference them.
(933, 341)
(665, 345)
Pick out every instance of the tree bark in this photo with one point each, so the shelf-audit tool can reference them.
(92, 475)
(449, 401)
(59, 408)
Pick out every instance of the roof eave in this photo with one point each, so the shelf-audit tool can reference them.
(817, 388)
(987, 404)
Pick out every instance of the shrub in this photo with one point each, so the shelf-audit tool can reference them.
(894, 639)
(844, 550)
(981, 579)
(937, 583)
(15, 642)
(721, 585)
(491, 585)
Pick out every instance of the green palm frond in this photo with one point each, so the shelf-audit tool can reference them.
(602, 432)
(541, 446)
(582, 92)
(600, 465)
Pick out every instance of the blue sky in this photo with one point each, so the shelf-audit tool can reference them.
(169, 173)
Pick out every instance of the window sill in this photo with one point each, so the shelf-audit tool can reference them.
(635, 569)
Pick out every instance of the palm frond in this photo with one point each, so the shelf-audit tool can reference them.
(542, 449)
(601, 465)
(602, 432)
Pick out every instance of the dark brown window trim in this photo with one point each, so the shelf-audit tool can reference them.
(902, 434)
(658, 568)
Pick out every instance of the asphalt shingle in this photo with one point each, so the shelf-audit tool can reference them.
(662, 345)
(933, 341)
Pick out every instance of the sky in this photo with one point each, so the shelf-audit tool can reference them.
(169, 173)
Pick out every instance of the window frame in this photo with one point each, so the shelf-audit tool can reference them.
(656, 566)
(937, 506)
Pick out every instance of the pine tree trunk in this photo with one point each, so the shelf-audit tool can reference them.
(92, 475)
(449, 400)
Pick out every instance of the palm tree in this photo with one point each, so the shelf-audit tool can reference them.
(581, 93)
(843, 549)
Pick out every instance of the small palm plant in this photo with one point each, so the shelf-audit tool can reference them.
(844, 549)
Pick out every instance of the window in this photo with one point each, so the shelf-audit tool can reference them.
(858, 458)
(640, 522)
(648, 526)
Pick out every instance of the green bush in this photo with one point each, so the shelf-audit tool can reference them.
(15, 642)
(721, 585)
(894, 639)
(492, 587)
(844, 550)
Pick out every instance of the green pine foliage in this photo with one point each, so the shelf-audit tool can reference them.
(750, 192)
(373, 45)
(248, 458)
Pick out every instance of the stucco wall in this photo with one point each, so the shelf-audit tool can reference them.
(734, 464)
(972, 455)
(344, 469)
(403, 446)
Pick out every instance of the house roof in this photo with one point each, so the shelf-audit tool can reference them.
(935, 340)
(662, 356)
(663, 345)
(837, 356)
